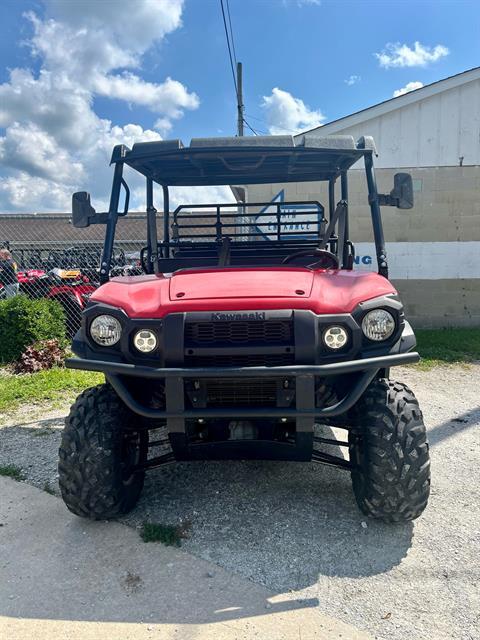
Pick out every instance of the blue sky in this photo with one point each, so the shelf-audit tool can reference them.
(91, 74)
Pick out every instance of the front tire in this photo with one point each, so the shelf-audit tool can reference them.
(98, 451)
(389, 447)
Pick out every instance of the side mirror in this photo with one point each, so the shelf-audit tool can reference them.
(82, 210)
(402, 190)
(83, 214)
(401, 196)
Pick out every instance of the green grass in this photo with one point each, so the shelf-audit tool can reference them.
(51, 385)
(170, 535)
(11, 471)
(48, 488)
(447, 346)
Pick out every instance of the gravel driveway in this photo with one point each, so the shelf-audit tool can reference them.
(295, 527)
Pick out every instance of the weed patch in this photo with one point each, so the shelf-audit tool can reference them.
(48, 488)
(170, 535)
(11, 471)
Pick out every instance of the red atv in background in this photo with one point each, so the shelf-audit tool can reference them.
(68, 287)
(249, 328)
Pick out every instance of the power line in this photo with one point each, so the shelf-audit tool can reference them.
(232, 54)
(231, 32)
(251, 128)
(255, 118)
(292, 131)
(229, 48)
(237, 78)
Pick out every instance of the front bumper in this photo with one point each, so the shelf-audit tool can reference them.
(304, 376)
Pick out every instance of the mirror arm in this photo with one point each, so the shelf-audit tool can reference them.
(387, 200)
(98, 218)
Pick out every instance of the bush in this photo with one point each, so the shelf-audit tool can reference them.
(24, 322)
(44, 355)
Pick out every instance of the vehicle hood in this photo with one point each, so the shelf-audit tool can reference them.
(241, 283)
(321, 291)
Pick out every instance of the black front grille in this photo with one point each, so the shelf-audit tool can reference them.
(256, 332)
(229, 392)
(232, 360)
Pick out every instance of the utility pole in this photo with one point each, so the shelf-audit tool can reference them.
(239, 99)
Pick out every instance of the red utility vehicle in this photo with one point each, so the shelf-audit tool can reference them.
(249, 327)
(68, 287)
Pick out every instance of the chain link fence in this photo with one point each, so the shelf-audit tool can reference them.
(57, 261)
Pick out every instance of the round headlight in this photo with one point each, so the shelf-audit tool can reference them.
(145, 341)
(335, 337)
(378, 325)
(105, 330)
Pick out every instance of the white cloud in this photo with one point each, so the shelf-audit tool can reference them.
(410, 86)
(32, 150)
(401, 55)
(169, 97)
(134, 29)
(200, 195)
(25, 193)
(54, 142)
(351, 80)
(54, 103)
(78, 51)
(163, 125)
(287, 114)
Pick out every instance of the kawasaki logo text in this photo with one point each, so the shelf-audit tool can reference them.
(254, 315)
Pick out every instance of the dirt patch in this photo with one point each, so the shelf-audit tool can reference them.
(35, 414)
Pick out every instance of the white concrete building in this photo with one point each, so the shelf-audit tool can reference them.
(435, 126)
(434, 249)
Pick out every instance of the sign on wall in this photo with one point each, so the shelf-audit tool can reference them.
(296, 220)
(423, 260)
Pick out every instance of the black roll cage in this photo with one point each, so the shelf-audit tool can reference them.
(161, 253)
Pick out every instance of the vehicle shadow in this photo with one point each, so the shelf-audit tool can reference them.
(58, 568)
(284, 525)
(453, 427)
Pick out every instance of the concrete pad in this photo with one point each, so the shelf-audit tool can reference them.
(64, 577)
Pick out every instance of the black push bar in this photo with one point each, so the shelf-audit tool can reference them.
(367, 366)
(331, 369)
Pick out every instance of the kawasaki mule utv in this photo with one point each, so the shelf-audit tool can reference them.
(249, 327)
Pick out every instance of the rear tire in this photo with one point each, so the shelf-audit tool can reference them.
(390, 448)
(99, 447)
